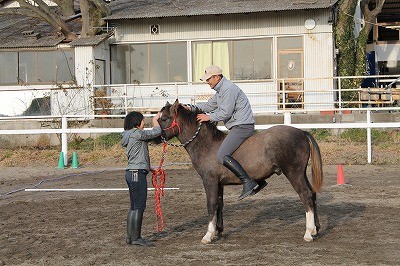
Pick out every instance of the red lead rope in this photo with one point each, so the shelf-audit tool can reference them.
(158, 180)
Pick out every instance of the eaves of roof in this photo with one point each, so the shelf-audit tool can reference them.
(136, 9)
(90, 41)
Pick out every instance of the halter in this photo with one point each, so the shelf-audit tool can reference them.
(175, 124)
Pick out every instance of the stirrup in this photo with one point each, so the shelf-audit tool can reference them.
(261, 185)
(248, 193)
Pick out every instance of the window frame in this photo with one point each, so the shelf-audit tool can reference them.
(36, 66)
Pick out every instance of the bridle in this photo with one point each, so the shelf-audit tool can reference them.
(175, 124)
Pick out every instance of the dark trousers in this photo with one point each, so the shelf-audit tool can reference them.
(137, 184)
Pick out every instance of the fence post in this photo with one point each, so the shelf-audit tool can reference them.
(340, 94)
(64, 140)
(369, 139)
(126, 97)
(287, 118)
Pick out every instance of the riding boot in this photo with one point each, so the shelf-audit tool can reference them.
(249, 185)
(137, 228)
(129, 227)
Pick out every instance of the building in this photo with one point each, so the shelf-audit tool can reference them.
(281, 54)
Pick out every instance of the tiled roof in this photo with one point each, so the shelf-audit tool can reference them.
(13, 27)
(133, 9)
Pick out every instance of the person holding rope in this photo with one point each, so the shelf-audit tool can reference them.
(135, 139)
(230, 105)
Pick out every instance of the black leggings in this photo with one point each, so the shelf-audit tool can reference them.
(137, 184)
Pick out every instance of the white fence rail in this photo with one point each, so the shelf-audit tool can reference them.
(65, 130)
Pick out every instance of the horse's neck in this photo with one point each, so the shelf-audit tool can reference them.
(187, 133)
(202, 144)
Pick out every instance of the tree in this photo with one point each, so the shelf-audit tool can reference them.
(352, 51)
(92, 12)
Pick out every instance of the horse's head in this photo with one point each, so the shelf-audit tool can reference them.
(169, 120)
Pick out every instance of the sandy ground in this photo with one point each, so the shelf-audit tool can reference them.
(360, 222)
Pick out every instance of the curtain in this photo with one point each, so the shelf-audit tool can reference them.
(207, 54)
(221, 57)
(202, 59)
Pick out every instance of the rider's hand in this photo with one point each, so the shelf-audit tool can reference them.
(187, 107)
(203, 118)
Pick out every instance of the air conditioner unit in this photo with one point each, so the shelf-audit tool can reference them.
(155, 29)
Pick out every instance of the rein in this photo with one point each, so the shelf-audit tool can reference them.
(158, 181)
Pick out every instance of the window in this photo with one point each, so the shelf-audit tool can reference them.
(139, 69)
(46, 69)
(27, 67)
(37, 67)
(149, 63)
(249, 59)
(65, 66)
(120, 64)
(8, 67)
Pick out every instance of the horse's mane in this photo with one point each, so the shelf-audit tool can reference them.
(190, 118)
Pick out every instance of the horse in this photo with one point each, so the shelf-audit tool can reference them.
(279, 149)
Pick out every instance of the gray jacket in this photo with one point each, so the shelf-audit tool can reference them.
(136, 143)
(229, 104)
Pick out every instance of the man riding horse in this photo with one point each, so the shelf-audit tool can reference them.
(230, 105)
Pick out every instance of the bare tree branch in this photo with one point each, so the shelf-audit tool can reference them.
(42, 10)
(370, 15)
(66, 7)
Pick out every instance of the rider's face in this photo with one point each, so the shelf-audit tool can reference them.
(213, 80)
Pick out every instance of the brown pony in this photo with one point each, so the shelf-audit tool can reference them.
(279, 149)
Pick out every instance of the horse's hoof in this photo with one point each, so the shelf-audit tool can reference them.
(205, 241)
(309, 239)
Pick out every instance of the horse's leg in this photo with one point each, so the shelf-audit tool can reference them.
(211, 188)
(300, 183)
(316, 219)
(220, 220)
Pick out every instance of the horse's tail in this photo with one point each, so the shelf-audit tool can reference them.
(316, 163)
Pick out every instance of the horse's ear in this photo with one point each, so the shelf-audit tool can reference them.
(175, 106)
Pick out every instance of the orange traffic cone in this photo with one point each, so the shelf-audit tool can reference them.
(340, 177)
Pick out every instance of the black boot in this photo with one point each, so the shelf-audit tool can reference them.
(129, 227)
(137, 228)
(249, 185)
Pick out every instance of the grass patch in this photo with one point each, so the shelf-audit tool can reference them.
(320, 134)
(102, 142)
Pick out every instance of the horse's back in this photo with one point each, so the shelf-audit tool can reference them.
(286, 141)
(279, 145)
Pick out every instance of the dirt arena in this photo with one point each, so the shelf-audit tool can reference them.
(360, 222)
